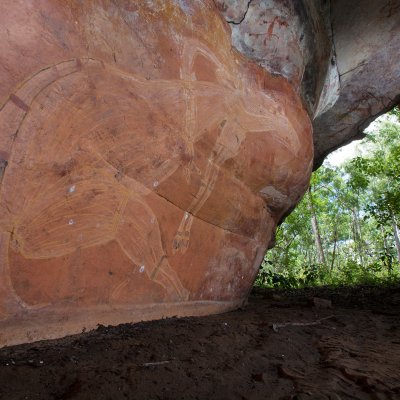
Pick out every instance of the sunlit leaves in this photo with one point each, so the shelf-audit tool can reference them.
(357, 207)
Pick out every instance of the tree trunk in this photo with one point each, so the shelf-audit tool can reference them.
(396, 237)
(315, 229)
(357, 235)
(386, 248)
(335, 237)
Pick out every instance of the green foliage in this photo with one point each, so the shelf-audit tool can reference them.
(357, 209)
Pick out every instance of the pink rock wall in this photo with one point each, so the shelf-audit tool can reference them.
(145, 164)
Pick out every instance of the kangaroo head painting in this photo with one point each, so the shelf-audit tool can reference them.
(144, 164)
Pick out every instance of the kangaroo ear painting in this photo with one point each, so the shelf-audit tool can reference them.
(144, 164)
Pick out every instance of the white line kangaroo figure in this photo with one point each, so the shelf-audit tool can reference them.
(237, 113)
(127, 219)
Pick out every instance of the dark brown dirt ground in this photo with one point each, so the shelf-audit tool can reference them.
(350, 351)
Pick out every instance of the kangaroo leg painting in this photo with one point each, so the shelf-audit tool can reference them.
(145, 164)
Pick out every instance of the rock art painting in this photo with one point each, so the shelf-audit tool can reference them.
(144, 164)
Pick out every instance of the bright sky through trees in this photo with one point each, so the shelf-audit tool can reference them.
(346, 228)
(355, 148)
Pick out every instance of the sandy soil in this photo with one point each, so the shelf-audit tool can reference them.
(283, 345)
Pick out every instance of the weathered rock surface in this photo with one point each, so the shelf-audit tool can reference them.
(145, 163)
(342, 58)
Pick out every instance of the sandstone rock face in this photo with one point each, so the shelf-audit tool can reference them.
(144, 162)
(149, 148)
(341, 58)
(366, 39)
